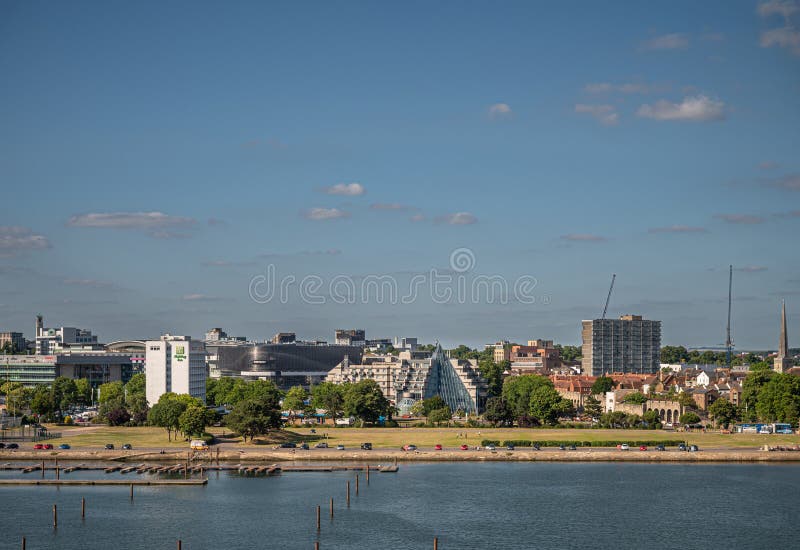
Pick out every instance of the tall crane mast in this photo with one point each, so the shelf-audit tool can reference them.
(608, 298)
(728, 339)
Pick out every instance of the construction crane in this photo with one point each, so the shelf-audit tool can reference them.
(608, 298)
(728, 339)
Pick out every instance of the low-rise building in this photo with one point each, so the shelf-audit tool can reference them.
(54, 340)
(14, 340)
(97, 367)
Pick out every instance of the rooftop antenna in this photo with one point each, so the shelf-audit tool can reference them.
(608, 298)
(728, 340)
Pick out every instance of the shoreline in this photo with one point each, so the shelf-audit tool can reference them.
(248, 455)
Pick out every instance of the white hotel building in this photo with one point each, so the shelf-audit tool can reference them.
(175, 364)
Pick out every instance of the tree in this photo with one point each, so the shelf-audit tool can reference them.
(330, 397)
(431, 404)
(689, 418)
(251, 418)
(167, 413)
(193, 420)
(137, 385)
(652, 419)
(65, 393)
(365, 400)
(117, 416)
(42, 402)
(418, 408)
(547, 405)
(779, 399)
(674, 354)
(111, 391)
(569, 353)
(493, 374)
(616, 419)
(592, 406)
(751, 387)
(635, 398)
(442, 414)
(602, 385)
(722, 412)
(497, 412)
(84, 391)
(295, 401)
(137, 407)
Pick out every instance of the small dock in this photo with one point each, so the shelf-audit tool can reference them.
(120, 482)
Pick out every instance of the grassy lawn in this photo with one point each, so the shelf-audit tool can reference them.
(394, 438)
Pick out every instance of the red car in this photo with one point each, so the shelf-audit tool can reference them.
(465, 447)
(38, 447)
(437, 447)
(643, 447)
(48, 446)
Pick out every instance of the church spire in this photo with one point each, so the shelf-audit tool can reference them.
(782, 360)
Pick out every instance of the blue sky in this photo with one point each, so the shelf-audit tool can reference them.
(155, 158)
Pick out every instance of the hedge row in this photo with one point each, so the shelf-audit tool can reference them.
(605, 443)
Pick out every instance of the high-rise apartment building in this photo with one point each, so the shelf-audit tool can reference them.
(175, 364)
(629, 344)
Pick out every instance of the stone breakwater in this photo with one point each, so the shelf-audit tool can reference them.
(251, 455)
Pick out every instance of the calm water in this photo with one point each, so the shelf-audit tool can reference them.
(467, 505)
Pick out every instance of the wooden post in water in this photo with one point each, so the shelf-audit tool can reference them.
(435, 543)
(316, 545)
(348, 494)
(42, 469)
(318, 514)
(217, 456)
(23, 543)
(83, 508)
(356, 484)
(331, 507)
(58, 473)
(55, 516)
(179, 544)
(131, 492)
(367, 474)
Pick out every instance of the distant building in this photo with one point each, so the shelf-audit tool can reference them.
(406, 344)
(378, 344)
(287, 365)
(175, 364)
(52, 340)
(217, 335)
(501, 351)
(783, 361)
(629, 344)
(97, 367)
(351, 337)
(415, 375)
(284, 338)
(538, 356)
(13, 339)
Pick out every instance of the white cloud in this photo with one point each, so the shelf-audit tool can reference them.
(789, 182)
(693, 109)
(778, 7)
(784, 37)
(677, 229)
(15, 238)
(583, 237)
(499, 111)
(673, 41)
(625, 88)
(742, 219)
(458, 218)
(320, 214)
(604, 114)
(128, 220)
(348, 189)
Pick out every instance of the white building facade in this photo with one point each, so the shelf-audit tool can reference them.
(175, 364)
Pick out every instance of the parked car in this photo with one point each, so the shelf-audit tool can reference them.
(288, 445)
(321, 445)
(510, 446)
(537, 447)
(109, 446)
(12, 446)
(409, 447)
(48, 446)
(304, 446)
(127, 447)
(562, 448)
(693, 448)
(642, 447)
(491, 447)
(38, 447)
(2, 445)
(464, 447)
(340, 447)
(366, 446)
(64, 446)
(573, 447)
(437, 447)
(682, 447)
(660, 448)
(624, 447)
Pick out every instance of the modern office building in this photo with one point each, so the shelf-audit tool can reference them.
(351, 337)
(629, 344)
(175, 364)
(54, 340)
(97, 367)
(14, 340)
(414, 375)
(297, 364)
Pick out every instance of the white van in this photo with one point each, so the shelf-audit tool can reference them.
(198, 445)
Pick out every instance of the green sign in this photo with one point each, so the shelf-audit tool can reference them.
(180, 353)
